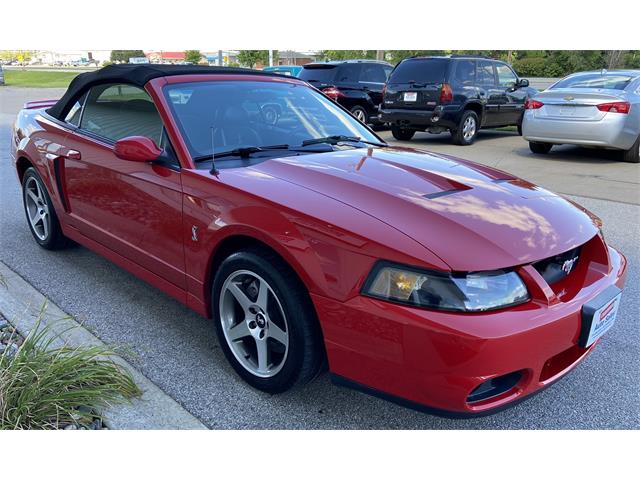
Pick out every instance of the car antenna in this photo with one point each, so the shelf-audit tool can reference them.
(214, 170)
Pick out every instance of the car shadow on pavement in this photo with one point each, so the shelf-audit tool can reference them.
(571, 153)
(445, 138)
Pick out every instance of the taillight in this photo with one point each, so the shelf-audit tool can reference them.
(532, 104)
(446, 93)
(332, 92)
(615, 107)
(384, 90)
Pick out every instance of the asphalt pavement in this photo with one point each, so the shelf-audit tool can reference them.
(176, 349)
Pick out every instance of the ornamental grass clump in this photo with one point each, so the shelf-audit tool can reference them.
(42, 387)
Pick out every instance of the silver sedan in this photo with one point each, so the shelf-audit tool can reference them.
(593, 109)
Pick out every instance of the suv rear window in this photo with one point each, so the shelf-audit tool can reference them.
(420, 70)
(595, 80)
(320, 74)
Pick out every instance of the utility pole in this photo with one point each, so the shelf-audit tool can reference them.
(271, 58)
(219, 58)
(379, 54)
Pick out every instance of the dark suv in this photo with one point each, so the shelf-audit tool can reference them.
(457, 93)
(355, 84)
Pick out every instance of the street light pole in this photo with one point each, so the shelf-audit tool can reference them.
(271, 58)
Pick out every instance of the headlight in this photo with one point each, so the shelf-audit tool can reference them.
(470, 292)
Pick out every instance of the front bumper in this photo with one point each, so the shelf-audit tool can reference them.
(612, 131)
(436, 359)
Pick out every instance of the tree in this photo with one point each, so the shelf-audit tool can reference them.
(249, 58)
(125, 55)
(348, 54)
(193, 56)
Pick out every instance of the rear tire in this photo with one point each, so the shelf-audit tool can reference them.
(540, 147)
(404, 134)
(633, 154)
(41, 215)
(467, 130)
(283, 347)
(360, 113)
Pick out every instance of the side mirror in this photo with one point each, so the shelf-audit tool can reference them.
(137, 149)
(523, 82)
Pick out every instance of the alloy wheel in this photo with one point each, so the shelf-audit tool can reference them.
(254, 323)
(37, 208)
(360, 115)
(469, 128)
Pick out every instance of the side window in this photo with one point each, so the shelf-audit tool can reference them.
(372, 73)
(349, 72)
(116, 111)
(387, 71)
(506, 77)
(484, 73)
(465, 72)
(73, 117)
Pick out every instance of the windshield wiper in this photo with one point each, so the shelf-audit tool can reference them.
(242, 152)
(334, 139)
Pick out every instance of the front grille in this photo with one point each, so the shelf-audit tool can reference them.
(554, 269)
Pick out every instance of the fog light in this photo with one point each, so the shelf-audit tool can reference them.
(494, 387)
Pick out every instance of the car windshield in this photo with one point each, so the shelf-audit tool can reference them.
(613, 81)
(220, 116)
(420, 70)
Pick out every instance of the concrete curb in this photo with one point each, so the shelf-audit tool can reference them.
(21, 304)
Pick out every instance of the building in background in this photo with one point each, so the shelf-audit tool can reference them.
(67, 57)
(292, 57)
(160, 56)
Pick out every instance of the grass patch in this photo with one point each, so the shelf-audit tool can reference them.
(33, 78)
(45, 388)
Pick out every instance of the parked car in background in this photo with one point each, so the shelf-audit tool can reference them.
(357, 85)
(593, 109)
(290, 70)
(459, 94)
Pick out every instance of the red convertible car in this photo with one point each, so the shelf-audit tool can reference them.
(257, 201)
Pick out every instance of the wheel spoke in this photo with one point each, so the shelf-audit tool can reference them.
(33, 217)
(263, 293)
(278, 334)
(45, 225)
(239, 331)
(239, 295)
(263, 354)
(33, 196)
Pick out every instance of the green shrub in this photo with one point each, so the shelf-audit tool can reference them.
(43, 387)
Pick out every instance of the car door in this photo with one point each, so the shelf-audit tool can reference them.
(512, 99)
(132, 208)
(489, 92)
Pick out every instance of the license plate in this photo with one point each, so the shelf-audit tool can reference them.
(599, 315)
(410, 96)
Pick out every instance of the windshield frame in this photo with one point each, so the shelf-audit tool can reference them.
(161, 96)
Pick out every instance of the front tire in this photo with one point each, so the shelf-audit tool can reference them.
(41, 215)
(265, 321)
(403, 134)
(540, 147)
(467, 129)
(633, 154)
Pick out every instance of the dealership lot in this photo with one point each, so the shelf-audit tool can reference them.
(176, 348)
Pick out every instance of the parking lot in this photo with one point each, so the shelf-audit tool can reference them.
(177, 349)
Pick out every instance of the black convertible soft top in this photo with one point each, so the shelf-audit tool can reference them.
(137, 75)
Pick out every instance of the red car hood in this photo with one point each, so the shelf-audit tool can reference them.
(471, 216)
